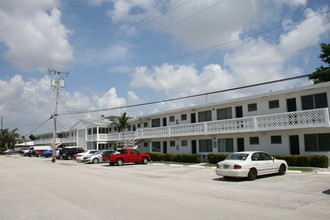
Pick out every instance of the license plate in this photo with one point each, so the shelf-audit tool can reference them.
(225, 166)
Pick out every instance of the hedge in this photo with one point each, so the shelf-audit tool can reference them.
(292, 160)
(305, 160)
(187, 158)
(215, 158)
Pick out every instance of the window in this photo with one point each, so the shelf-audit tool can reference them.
(133, 151)
(172, 118)
(205, 145)
(224, 113)
(155, 122)
(145, 124)
(156, 146)
(317, 142)
(252, 107)
(183, 117)
(139, 125)
(172, 143)
(274, 104)
(314, 101)
(204, 116)
(145, 144)
(261, 156)
(254, 140)
(184, 143)
(226, 145)
(276, 139)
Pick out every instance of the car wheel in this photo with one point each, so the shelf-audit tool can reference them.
(282, 169)
(252, 175)
(119, 162)
(145, 160)
(95, 161)
(69, 157)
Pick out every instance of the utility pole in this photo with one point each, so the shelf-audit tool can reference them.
(57, 83)
(1, 123)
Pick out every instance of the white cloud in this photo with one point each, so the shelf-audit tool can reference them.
(130, 10)
(180, 80)
(33, 34)
(308, 31)
(109, 99)
(26, 104)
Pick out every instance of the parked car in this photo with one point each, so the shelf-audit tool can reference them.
(9, 152)
(47, 154)
(31, 151)
(250, 164)
(126, 155)
(38, 152)
(67, 152)
(97, 157)
(79, 157)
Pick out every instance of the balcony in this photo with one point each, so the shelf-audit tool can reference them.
(282, 121)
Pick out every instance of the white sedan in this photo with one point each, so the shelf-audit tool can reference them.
(81, 155)
(250, 164)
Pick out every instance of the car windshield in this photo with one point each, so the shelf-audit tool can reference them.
(237, 157)
(97, 152)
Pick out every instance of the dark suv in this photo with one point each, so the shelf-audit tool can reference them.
(67, 153)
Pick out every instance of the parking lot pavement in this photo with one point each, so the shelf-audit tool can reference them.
(35, 188)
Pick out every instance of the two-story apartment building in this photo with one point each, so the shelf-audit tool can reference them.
(292, 121)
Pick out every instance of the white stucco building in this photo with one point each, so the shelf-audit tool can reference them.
(292, 121)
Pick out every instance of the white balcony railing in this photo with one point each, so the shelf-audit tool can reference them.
(281, 121)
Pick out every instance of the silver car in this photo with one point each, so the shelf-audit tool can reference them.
(97, 157)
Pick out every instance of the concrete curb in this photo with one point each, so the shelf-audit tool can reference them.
(293, 171)
(322, 173)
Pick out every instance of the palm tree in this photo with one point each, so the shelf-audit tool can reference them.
(122, 123)
(8, 138)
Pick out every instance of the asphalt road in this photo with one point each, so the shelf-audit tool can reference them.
(35, 188)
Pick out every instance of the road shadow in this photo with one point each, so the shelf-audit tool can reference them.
(326, 192)
(124, 165)
(243, 179)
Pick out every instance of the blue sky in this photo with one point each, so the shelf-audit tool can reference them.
(122, 52)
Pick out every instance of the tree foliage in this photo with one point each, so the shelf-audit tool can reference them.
(8, 138)
(122, 123)
(322, 74)
(32, 137)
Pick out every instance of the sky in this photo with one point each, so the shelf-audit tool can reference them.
(125, 52)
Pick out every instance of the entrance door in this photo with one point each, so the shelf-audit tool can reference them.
(165, 147)
(164, 122)
(193, 117)
(294, 145)
(240, 144)
(291, 105)
(193, 147)
(239, 111)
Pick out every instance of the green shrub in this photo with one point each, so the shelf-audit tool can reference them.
(215, 158)
(305, 160)
(187, 158)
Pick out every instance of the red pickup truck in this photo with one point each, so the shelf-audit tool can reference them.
(126, 155)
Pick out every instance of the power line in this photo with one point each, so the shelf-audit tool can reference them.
(242, 38)
(137, 25)
(223, 44)
(39, 126)
(196, 95)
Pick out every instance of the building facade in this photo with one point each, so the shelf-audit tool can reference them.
(292, 121)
